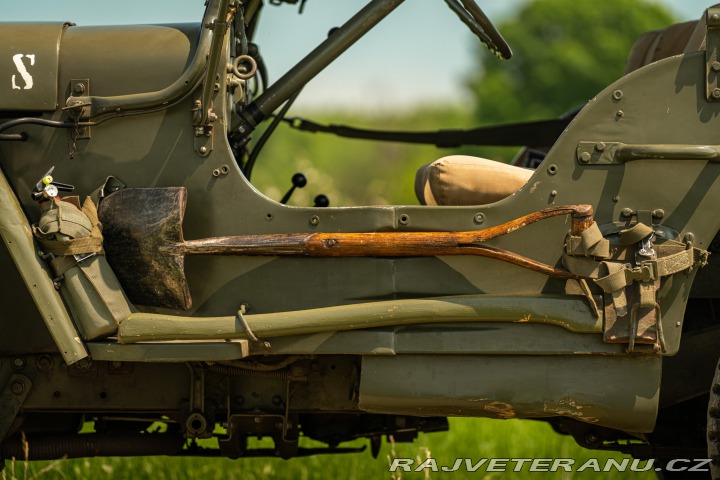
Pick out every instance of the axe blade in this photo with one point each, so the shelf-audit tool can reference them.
(136, 221)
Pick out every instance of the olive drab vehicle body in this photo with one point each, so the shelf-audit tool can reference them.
(171, 290)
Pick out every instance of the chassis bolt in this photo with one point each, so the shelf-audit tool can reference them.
(44, 362)
(314, 220)
(617, 95)
(591, 439)
(715, 66)
(627, 212)
(479, 218)
(658, 213)
(18, 362)
(79, 88)
(17, 388)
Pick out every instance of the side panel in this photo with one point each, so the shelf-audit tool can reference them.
(29, 62)
(613, 392)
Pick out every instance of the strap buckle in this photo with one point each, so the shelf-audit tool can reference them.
(83, 256)
(49, 257)
(646, 272)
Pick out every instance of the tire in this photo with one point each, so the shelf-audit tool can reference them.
(713, 425)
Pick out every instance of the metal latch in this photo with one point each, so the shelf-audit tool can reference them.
(712, 55)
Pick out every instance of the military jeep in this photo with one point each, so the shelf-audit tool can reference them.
(338, 323)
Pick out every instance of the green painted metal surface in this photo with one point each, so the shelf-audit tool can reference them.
(412, 337)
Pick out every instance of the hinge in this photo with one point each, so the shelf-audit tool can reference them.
(11, 402)
(203, 133)
(712, 55)
(79, 87)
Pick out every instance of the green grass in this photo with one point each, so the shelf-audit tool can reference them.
(467, 438)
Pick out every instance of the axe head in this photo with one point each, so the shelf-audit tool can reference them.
(135, 223)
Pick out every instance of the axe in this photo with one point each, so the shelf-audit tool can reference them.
(143, 241)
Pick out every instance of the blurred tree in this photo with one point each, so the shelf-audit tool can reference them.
(565, 52)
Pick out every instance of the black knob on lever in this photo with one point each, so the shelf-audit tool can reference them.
(298, 181)
(321, 201)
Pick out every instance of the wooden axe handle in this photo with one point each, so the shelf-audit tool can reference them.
(378, 244)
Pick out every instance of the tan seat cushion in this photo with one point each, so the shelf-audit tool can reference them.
(465, 180)
(658, 44)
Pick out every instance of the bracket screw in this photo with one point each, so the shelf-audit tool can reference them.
(314, 220)
(658, 213)
(479, 218)
(716, 93)
(585, 157)
(715, 66)
(627, 212)
(17, 388)
(203, 150)
(79, 88)
(617, 95)
(44, 362)
(600, 146)
(591, 439)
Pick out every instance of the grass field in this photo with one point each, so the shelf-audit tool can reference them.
(467, 438)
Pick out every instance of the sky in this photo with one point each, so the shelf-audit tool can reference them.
(419, 53)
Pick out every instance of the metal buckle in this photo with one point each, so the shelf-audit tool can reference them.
(49, 257)
(83, 256)
(646, 272)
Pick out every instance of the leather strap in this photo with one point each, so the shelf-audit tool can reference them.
(541, 133)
